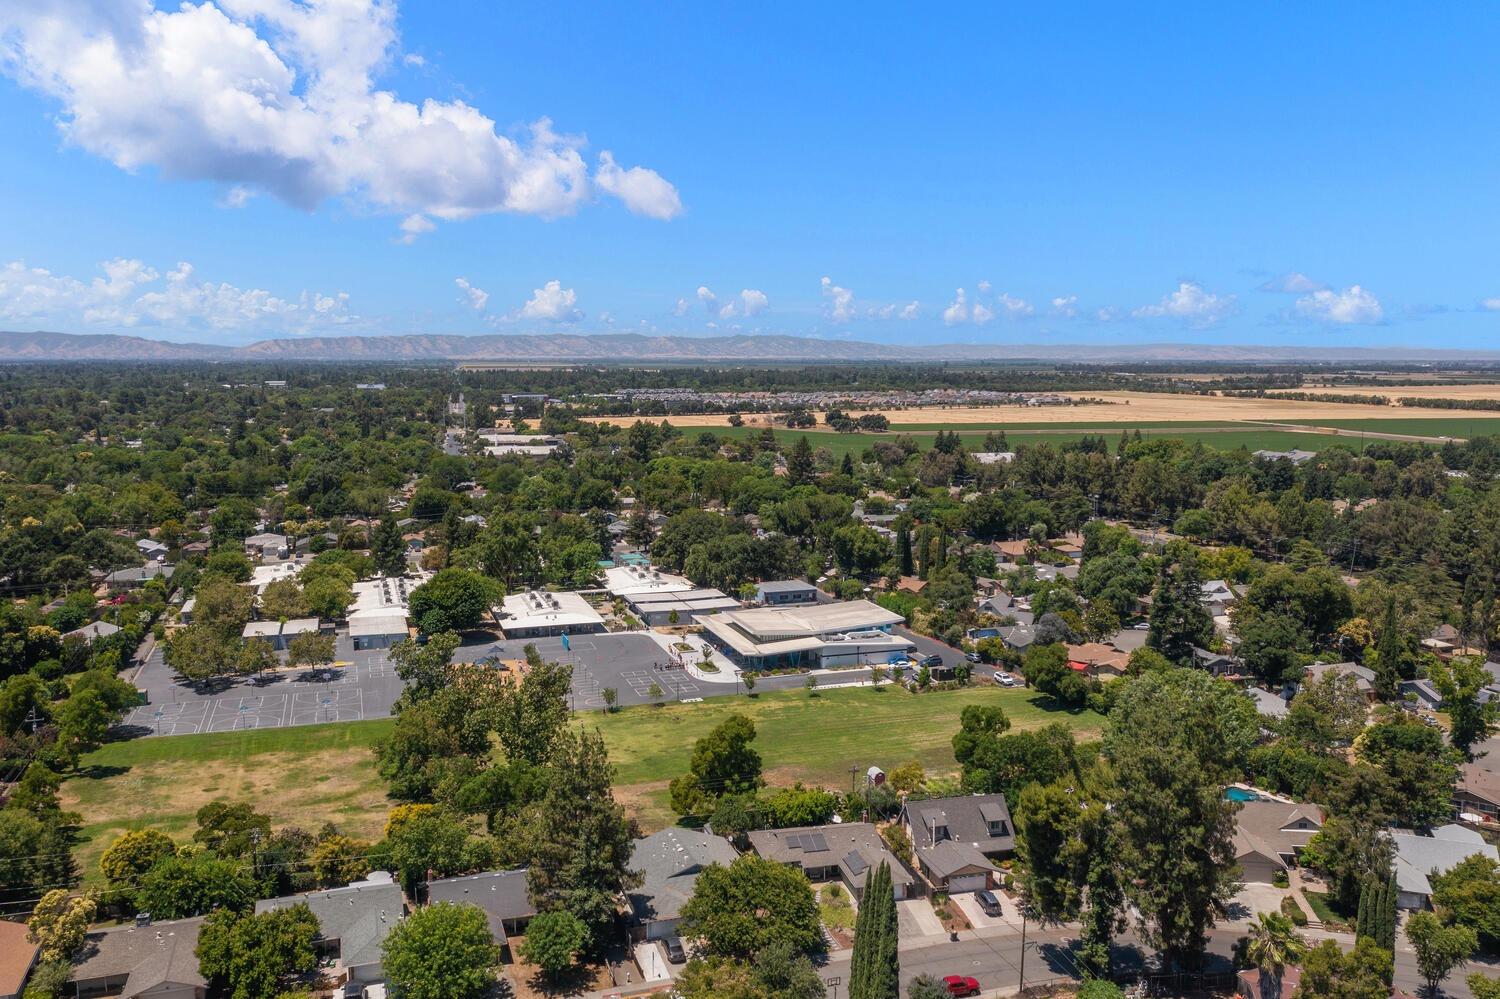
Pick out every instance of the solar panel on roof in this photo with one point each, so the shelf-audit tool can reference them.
(856, 863)
(795, 842)
(814, 842)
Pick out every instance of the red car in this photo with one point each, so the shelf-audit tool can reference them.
(961, 985)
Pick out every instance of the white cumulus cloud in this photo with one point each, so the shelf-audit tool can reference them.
(283, 97)
(477, 298)
(552, 303)
(1190, 304)
(132, 294)
(681, 308)
(841, 306)
(749, 302)
(984, 308)
(1352, 305)
(1065, 306)
(1292, 283)
(1490, 304)
(413, 227)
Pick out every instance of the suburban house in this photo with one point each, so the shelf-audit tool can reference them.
(143, 959)
(136, 576)
(785, 591)
(956, 839)
(1418, 857)
(1478, 792)
(1364, 677)
(1098, 659)
(1268, 836)
(1018, 637)
(845, 633)
(845, 851)
(501, 895)
(92, 632)
(1269, 703)
(1422, 693)
(540, 614)
(353, 923)
(17, 958)
(670, 862)
(1003, 605)
(1011, 550)
(1296, 456)
(263, 546)
(151, 548)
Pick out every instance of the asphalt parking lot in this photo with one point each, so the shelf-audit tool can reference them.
(629, 663)
(364, 689)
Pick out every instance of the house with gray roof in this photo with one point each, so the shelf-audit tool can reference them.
(1420, 857)
(1018, 637)
(1269, 835)
(957, 839)
(1364, 677)
(501, 895)
(155, 959)
(670, 862)
(129, 579)
(777, 592)
(353, 922)
(846, 851)
(93, 631)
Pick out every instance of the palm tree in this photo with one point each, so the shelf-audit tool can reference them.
(1274, 943)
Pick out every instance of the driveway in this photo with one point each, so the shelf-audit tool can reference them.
(931, 646)
(915, 918)
(969, 906)
(1253, 899)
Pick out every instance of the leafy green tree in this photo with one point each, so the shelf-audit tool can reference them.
(1208, 716)
(1472, 718)
(531, 715)
(1483, 986)
(435, 841)
(1327, 713)
(257, 955)
(387, 547)
(452, 600)
(177, 887)
(59, 922)
(1348, 851)
(339, 860)
(553, 941)
(328, 596)
(743, 908)
(311, 648)
(283, 599)
(977, 724)
(1330, 973)
(927, 987)
(1420, 768)
(442, 951)
(798, 806)
(799, 464)
(1469, 894)
(424, 666)
(875, 967)
(1176, 843)
(231, 830)
(581, 856)
(1178, 619)
(723, 762)
(134, 853)
(1441, 950)
(1008, 763)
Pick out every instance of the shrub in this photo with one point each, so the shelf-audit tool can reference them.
(1293, 911)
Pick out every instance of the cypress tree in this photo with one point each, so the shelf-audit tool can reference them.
(1387, 937)
(1362, 920)
(875, 968)
(903, 546)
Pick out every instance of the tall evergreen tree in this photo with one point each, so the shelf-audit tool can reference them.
(799, 467)
(387, 548)
(1179, 621)
(875, 968)
(1389, 653)
(903, 550)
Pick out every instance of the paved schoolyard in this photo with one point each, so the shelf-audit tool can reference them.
(630, 663)
(364, 689)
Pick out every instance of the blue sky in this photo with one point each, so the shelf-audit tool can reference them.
(1185, 174)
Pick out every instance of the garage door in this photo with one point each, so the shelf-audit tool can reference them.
(967, 882)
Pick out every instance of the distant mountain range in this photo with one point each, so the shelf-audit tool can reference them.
(635, 347)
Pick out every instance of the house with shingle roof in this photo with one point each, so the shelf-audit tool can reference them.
(1420, 857)
(353, 922)
(17, 957)
(1268, 836)
(501, 895)
(956, 840)
(844, 851)
(155, 959)
(670, 862)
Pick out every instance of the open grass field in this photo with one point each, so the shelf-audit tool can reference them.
(1448, 424)
(812, 739)
(312, 774)
(1475, 390)
(302, 776)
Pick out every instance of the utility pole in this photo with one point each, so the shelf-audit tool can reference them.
(255, 855)
(852, 771)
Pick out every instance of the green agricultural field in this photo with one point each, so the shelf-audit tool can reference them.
(1249, 436)
(1477, 425)
(312, 774)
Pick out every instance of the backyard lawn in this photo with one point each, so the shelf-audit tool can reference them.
(312, 774)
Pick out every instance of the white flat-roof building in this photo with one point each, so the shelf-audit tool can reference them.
(280, 633)
(539, 614)
(628, 580)
(262, 576)
(847, 633)
(378, 618)
(656, 607)
(534, 445)
(994, 457)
